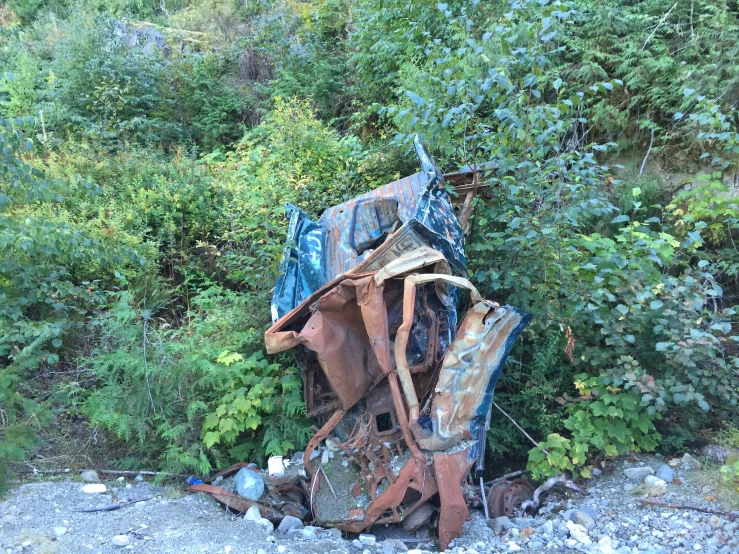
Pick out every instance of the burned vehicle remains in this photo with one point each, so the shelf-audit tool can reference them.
(367, 299)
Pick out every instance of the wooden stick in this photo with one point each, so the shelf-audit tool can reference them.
(108, 471)
(661, 21)
(644, 163)
(327, 481)
(111, 507)
(686, 507)
(507, 476)
(525, 434)
(548, 484)
(484, 500)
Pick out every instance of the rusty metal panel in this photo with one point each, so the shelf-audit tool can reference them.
(367, 232)
(368, 297)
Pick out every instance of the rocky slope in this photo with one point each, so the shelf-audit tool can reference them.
(45, 517)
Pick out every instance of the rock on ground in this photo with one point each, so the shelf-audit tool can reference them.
(608, 520)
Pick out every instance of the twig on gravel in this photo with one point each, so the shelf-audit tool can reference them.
(686, 507)
(111, 507)
(484, 500)
(548, 484)
(327, 481)
(106, 471)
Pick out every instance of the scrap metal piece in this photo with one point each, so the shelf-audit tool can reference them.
(506, 498)
(450, 472)
(368, 300)
(360, 235)
(240, 504)
(347, 325)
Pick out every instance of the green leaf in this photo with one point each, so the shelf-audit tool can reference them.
(211, 438)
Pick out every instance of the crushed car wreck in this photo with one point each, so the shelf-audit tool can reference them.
(367, 300)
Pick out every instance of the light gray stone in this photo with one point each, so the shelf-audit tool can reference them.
(288, 523)
(581, 517)
(249, 484)
(547, 528)
(562, 530)
(59, 531)
(367, 540)
(690, 463)
(605, 545)
(638, 473)
(120, 540)
(332, 533)
(522, 522)
(253, 514)
(90, 476)
(266, 524)
(579, 533)
(665, 473)
(654, 481)
(500, 524)
(94, 488)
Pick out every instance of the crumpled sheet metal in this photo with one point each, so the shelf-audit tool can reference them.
(367, 232)
(442, 418)
(469, 371)
(278, 502)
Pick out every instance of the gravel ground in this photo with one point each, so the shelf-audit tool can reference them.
(43, 517)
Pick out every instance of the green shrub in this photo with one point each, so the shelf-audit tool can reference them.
(605, 420)
(165, 389)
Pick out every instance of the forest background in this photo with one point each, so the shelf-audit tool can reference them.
(148, 148)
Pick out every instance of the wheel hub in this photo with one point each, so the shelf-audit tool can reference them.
(504, 499)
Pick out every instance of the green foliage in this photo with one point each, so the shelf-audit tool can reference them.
(154, 271)
(290, 157)
(605, 419)
(40, 297)
(106, 90)
(164, 389)
(211, 109)
(641, 316)
(728, 435)
(730, 475)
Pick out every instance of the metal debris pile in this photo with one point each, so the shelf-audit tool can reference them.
(368, 302)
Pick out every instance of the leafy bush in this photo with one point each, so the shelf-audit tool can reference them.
(155, 271)
(290, 157)
(607, 418)
(40, 297)
(110, 91)
(165, 389)
(730, 475)
(638, 314)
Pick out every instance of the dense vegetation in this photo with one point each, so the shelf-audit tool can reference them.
(148, 148)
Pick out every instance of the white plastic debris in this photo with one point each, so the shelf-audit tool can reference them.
(275, 466)
(94, 488)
